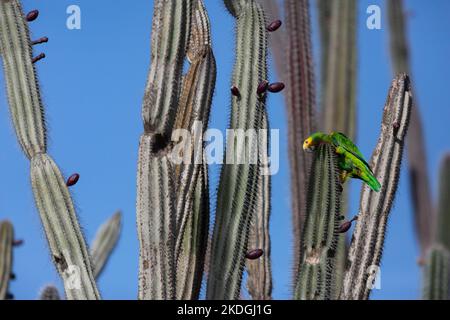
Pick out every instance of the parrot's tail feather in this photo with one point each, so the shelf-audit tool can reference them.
(371, 181)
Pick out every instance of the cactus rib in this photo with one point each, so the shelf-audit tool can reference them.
(239, 190)
(104, 242)
(316, 278)
(6, 256)
(436, 273)
(368, 239)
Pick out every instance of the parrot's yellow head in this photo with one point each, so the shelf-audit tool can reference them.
(313, 141)
(308, 145)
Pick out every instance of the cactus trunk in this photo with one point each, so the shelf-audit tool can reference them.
(6, 256)
(368, 239)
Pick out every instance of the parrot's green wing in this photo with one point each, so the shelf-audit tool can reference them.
(341, 140)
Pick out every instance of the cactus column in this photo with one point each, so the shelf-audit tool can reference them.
(366, 248)
(240, 191)
(6, 256)
(67, 245)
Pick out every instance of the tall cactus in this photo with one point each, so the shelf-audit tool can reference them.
(104, 242)
(320, 237)
(417, 159)
(240, 184)
(172, 202)
(67, 245)
(368, 239)
(6, 256)
(301, 106)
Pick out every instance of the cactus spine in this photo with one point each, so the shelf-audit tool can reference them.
(368, 239)
(104, 242)
(6, 256)
(172, 203)
(66, 242)
(239, 187)
(316, 278)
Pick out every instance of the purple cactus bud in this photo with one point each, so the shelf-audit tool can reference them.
(73, 179)
(276, 87)
(274, 25)
(254, 254)
(17, 242)
(343, 228)
(32, 15)
(262, 87)
(39, 41)
(39, 57)
(235, 91)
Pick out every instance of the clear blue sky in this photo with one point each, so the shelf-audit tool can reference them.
(92, 85)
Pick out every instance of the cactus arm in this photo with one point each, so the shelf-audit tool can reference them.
(301, 105)
(61, 227)
(6, 256)
(170, 35)
(368, 239)
(66, 242)
(443, 210)
(104, 242)
(416, 143)
(316, 278)
(436, 273)
(259, 280)
(238, 187)
(49, 292)
(24, 98)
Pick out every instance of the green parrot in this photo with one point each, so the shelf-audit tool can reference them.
(350, 160)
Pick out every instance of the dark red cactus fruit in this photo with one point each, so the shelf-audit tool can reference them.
(12, 276)
(39, 41)
(262, 87)
(17, 242)
(276, 87)
(254, 254)
(39, 57)
(73, 179)
(274, 26)
(343, 228)
(235, 91)
(32, 15)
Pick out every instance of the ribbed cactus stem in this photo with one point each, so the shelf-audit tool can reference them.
(156, 222)
(320, 237)
(368, 239)
(192, 178)
(239, 187)
(170, 34)
(24, 97)
(301, 105)
(66, 242)
(443, 210)
(104, 242)
(6, 256)
(437, 274)
(49, 292)
(259, 271)
(416, 143)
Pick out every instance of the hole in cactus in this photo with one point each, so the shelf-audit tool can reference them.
(159, 143)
